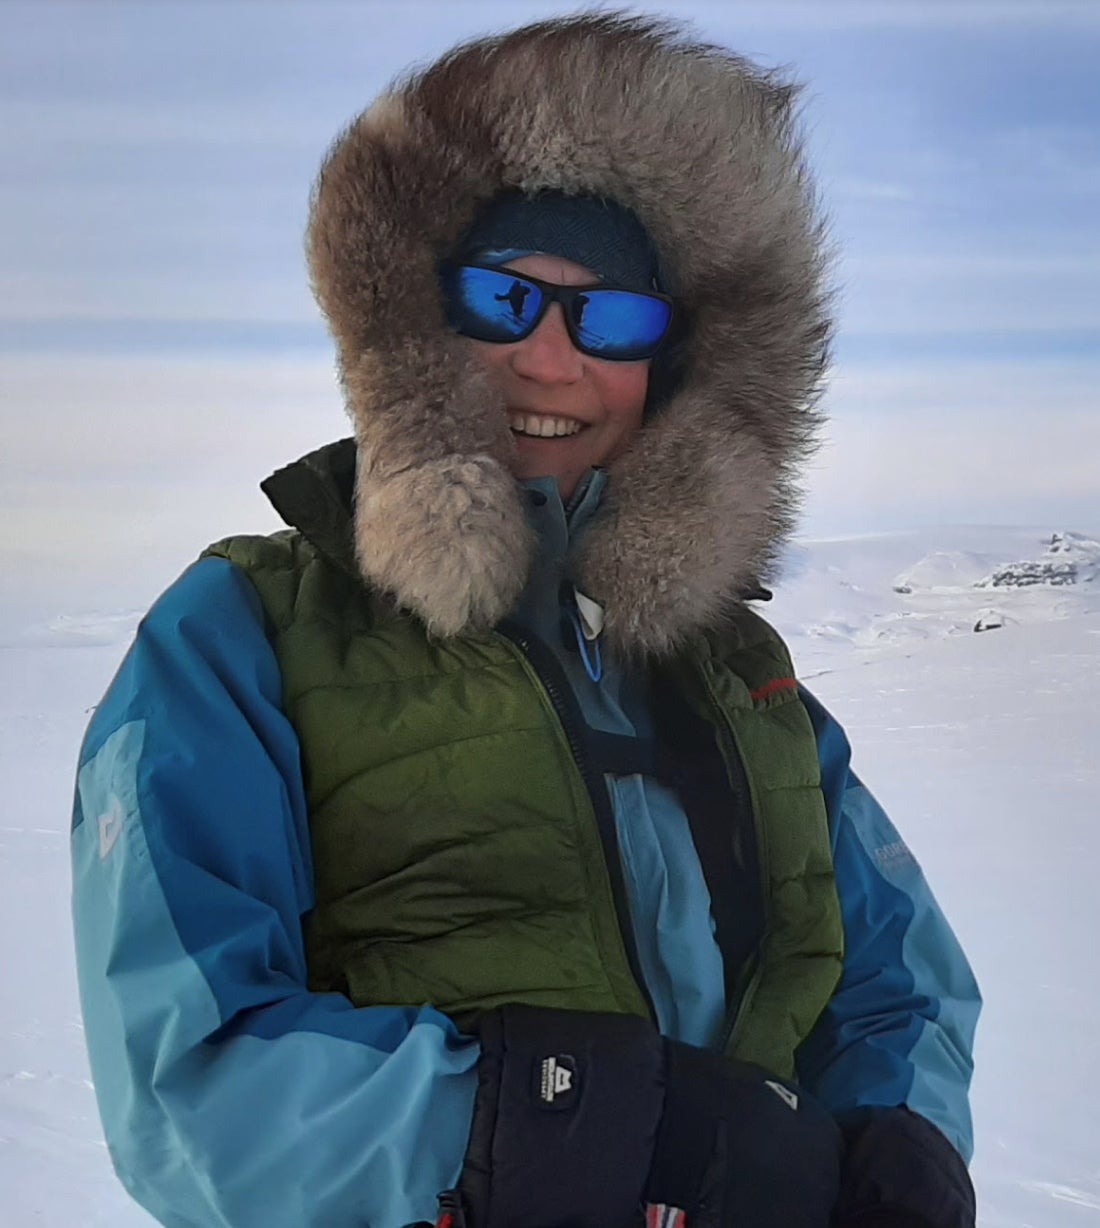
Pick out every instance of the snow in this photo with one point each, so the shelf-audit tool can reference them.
(981, 745)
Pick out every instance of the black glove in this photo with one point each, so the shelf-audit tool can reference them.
(901, 1172)
(583, 1119)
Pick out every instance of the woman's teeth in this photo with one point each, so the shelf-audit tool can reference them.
(544, 428)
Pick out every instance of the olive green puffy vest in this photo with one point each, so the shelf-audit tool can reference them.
(457, 859)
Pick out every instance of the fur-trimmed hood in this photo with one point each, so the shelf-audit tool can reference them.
(701, 145)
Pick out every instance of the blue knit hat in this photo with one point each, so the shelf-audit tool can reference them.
(601, 234)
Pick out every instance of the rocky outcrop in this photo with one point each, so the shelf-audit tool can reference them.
(1026, 574)
(1070, 558)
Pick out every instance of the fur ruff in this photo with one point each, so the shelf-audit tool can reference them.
(702, 145)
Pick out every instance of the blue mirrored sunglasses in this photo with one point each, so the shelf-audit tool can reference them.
(491, 304)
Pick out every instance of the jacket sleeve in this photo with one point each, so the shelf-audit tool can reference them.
(230, 1094)
(900, 1027)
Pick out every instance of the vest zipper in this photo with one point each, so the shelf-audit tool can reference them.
(743, 809)
(554, 682)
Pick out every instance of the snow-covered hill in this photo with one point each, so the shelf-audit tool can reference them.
(982, 747)
(887, 594)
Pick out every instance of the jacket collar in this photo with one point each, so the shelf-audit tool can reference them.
(315, 496)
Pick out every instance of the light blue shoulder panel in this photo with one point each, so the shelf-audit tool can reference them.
(230, 1095)
(900, 1028)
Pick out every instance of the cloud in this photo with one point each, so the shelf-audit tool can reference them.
(1008, 443)
(111, 461)
(116, 472)
(85, 419)
(160, 122)
(941, 292)
(1062, 157)
(168, 294)
(874, 191)
(905, 14)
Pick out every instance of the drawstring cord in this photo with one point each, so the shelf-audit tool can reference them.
(593, 662)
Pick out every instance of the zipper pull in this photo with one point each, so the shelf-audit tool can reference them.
(592, 616)
(586, 616)
(451, 1212)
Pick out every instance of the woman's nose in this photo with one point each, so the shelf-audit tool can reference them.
(548, 354)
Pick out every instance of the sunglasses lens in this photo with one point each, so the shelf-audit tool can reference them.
(495, 305)
(489, 305)
(620, 325)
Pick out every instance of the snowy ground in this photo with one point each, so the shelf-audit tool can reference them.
(982, 746)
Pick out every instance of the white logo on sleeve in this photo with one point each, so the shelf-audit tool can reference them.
(789, 1098)
(110, 827)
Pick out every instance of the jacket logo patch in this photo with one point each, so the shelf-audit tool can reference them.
(789, 1098)
(110, 828)
(889, 856)
(556, 1079)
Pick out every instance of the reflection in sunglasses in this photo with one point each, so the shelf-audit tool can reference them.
(515, 298)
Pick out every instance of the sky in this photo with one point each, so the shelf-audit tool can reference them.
(160, 351)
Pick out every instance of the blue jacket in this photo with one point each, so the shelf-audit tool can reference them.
(231, 1095)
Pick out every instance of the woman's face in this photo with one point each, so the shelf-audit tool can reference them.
(549, 386)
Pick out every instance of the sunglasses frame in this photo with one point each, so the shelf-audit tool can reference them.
(553, 292)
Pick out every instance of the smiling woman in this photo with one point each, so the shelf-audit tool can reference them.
(475, 830)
